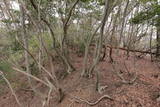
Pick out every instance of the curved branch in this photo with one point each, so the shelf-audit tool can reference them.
(93, 103)
(70, 12)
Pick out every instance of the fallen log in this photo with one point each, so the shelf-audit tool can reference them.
(131, 50)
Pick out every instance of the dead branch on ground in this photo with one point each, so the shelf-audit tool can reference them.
(78, 100)
(131, 50)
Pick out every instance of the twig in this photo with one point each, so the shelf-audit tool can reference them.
(27, 74)
(44, 69)
(9, 84)
(72, 102)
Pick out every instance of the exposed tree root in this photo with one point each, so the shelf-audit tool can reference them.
(78, 100)
(131, 81)
(102, 88)
(121, 77)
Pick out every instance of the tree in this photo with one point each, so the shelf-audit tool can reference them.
(151, 15)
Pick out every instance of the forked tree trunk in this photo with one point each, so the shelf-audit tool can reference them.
(99, 46)
(64, 39)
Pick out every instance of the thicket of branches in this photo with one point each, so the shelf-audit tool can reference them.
(38, 31)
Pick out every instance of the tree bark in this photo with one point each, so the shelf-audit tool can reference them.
(25, 42)
(100, 41)
(158, 42)
(123, 22)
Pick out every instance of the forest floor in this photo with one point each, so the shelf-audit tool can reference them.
(143, 92)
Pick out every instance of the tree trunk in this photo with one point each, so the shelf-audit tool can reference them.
(123, 22)
(158, 41)
(150, 42)
(113, 33)
(25, 42)
(99, 45)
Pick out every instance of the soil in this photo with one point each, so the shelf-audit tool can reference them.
(143, 92)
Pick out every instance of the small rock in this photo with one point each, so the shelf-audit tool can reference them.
(156, 76)
(158, 99)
